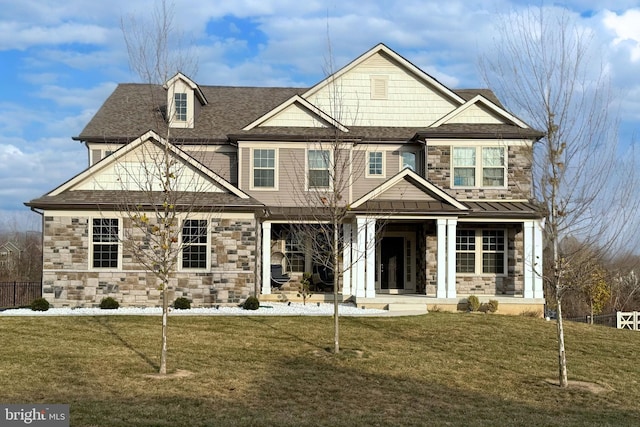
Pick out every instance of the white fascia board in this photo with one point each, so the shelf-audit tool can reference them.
(152, 137)
(304, 104)
(479, 99)
(423, 182)
(407, 65)
(193, 85)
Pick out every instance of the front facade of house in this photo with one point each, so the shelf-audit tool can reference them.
(427, 188)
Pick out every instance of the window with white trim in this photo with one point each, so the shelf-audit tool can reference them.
(318, 164)
(104, 242)
(376, 164)
(194, 243)
(180, 103)
(486, 258)
(294, 252)
(466, 172)
(264, 168)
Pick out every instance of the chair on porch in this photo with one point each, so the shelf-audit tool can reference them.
(322, 279)
(278, 276)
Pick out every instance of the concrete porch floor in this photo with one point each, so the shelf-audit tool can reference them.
(419, 303)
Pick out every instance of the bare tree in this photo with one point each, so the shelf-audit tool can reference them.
(160, 190)
(543, 66)
(334, 163)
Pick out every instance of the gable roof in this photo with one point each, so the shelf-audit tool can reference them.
(305, 105)
(196, 89)
(234, 113)
(483, 102)
(431, 192)
(74, 193)
(381, 48)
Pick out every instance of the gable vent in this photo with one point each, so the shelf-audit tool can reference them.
(379, 87)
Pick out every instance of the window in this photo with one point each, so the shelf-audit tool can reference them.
(105, 243)
(318, 168)
(465, 251)
(464, 167)
(180, 101)
(264, 168)
(492, 166)
(493, 251)
(294, 251)
(467, 174)
(490, 255)
(194, 243)
(408, 160)
(376, 164)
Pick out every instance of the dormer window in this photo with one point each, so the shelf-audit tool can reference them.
(180, 100)
(184, 101)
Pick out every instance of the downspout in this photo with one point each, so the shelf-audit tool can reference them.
(41, 213)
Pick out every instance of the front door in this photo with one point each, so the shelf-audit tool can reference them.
(392, 263)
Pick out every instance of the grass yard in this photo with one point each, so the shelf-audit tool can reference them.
(437, 369)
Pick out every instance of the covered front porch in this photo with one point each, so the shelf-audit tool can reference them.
(420, 262)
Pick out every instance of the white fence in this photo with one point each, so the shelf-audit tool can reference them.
(629, 320)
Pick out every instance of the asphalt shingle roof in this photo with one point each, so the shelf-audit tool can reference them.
(132, 109)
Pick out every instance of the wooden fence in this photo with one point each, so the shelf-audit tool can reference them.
(19, 294)
(630, 320)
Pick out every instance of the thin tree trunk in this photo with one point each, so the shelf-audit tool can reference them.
(165, 313)
(336, 276)
(562, 357)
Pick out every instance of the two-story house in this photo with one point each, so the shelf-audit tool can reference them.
(432, 187)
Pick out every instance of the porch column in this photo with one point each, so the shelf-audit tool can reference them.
(266, 258)
(451, 258)
(346, 259)
(370, 286)
(527, 232)
(538, 291)
(360, 253)
(441, 276)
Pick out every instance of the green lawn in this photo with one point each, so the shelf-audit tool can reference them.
(436, 369)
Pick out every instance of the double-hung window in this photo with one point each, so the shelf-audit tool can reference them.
(264, 168)
(464, 166)
(492, 166)
(180, 104)
(294, 251)
(318, 164)
(465, 251)
(194, 243)
(479, 166)
(105, 243)
(376, 164)
(486, 258)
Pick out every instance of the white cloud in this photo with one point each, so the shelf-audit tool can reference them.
(627, 29)
(18, 35)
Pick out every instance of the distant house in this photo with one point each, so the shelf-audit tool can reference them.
(9, 254)
(439, 195)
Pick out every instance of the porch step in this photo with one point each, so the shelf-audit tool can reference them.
(407, 307)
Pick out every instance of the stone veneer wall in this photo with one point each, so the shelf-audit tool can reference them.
(67, 280)
(518, 174)
(510, 285)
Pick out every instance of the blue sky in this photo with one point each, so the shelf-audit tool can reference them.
(59, 61)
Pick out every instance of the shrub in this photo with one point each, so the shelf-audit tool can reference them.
(304, 291)
(251, 303)
(492, 306)
(109, 303)
(182, 303)
(473, 303)
(40, 304)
